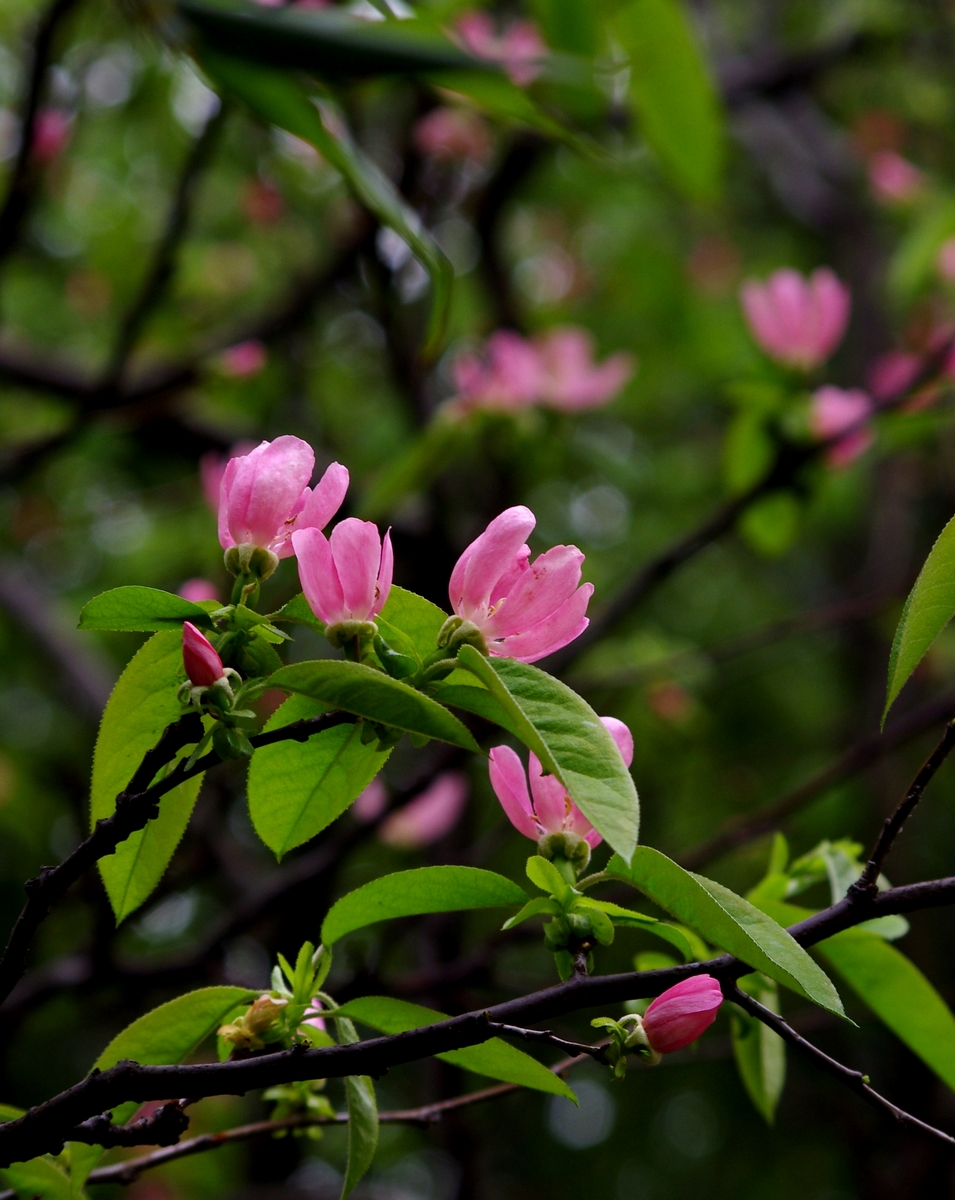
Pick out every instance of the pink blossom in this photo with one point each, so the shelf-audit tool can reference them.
(52, 128)
(946, 260)
(797, 321)
(453, 133)
(197, 590)
(893, 373)
(893, 178)
(264, 496)
(834, 412)
(430, 815)
(212, 467)
(346, 577)
(507, 375)
(244, 359)
(679, 1015)
(571, 378)
(312, 1017)
(519, 48)
(203, 665)
(551, 810)
(524, 610)
(371, 803)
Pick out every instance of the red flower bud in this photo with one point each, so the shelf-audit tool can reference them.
(203, 665)
(682, 1013)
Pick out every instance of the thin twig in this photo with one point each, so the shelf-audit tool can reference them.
(597, 1053)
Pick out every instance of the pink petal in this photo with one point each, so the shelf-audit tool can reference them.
(226, 480)
(266, 487)
(510, 786)
(197, 590)
(325, 498)
(678, 1016)
(203, 665)
(832, 301)
(554, 632)
(551, 803)
(318, 576)
(371, 803)
(836, 410)
(430, 815)
(761, 317)
(486, 559)
(386, 571)
(356, 547)
(548, 581)
(577, 823)
(622, 736)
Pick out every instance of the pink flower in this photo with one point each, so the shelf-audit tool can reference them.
(244, 359)
(571, 378)
(519, 48)
(834, 412)
(311, 1015)
(508, 375)
(893, 178)
(680, 1014)
(453, 133)
(893, 373)
(946, 260)
(203, 665)
(551, 810)
(524, 610)
(371, 803)
(212, 467)
(52, 128)
(797, 321)
(346, 577)
(264, 496)
(198, 590)
(429, 816)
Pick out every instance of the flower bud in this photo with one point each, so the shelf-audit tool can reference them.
(203, 665)
(682, 1013)
(245, 1033)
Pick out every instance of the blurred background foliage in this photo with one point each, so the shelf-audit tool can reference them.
(746, 671)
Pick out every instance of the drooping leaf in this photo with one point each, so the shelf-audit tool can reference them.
(494, 1058)
(425, 890)
(280, 99)
(141, 609)
(362, 1116)
(296, 789)
(673, 93)
(142, 704)
(369, 693)
(729, 921)
(759, 1052)
(569, 739)
(929, 608)
(410, 624)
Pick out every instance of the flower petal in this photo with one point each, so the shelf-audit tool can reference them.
(544, 586)
(486, 559)
(622, 736)
(266, 487)
(325, 499)
(386, 571)
(356, 547)
(551, 634)
(510, 786)
(318, 576)
(550, 797)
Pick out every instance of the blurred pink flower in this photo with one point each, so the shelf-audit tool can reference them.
(797, 321)
(429, 816)
(312, 1015)
(197, 590)
(571, 379)
(371, 803)
(507, 375)
(524, 610)
(203, 665)
(244, 359)
(212, 467)
(893, 373)
(546, 808)
(946, 260)
(519, 48)
(264, 495)
(680, 1014)
(52, 129)
(346, 577)
(893, 178)
(453, 133)
(835, 411)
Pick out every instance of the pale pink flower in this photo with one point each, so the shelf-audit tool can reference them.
(52, 129)
(346, 577)
(312, 1017)
(203, 665)
(893, 373)
(524, 610)
(453, 134)
(212, 467)
(264, 496)
(571, 379)
(507, 375)
(244, 359)
(946, 260)
(797, 321)
(893, 178)
(519, 48)
(679, 1015)
(371, 803)
(197, 590)
(429, 816)
(546, 808)
(835, 411)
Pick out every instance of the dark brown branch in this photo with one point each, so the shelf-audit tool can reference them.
(163, 1127)
(597, 1053)
(855, 1080)
(739, 830)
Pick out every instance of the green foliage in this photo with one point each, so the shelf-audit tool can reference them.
(141, 609)
(38, 1179)
(410, 624)
(409, 893)
(296, 789)
(759, 1052)
(370, 694)
(362, 1116)
(569, 739)
(142, 704)
(494, 1058)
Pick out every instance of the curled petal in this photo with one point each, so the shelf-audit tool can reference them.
(622, 736)
(386, 571)
(543, 587)
(551, 803)
(325, 499)
(510, 786)
(486, 559)
(551, 634)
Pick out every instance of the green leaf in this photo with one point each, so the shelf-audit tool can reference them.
(929, 608)
(673, 94)
(729, 921)
(473, 697)
(627, 919)
(296, 789)
(425, 890)
(297, 612)
(280, 99)
(141, 609)
(545, 875)
(362, 1129)
(494, 1058)
(539, 906)
(141, 705)
(38, 1179)
(371, 694)
(569, 739)
(568, 25)
(410, 624)
(760, 1054)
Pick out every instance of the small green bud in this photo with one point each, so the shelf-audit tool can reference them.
(456, 631)
(248, 559)
(565, 845)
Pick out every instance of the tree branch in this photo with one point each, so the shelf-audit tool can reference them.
(597, 1053)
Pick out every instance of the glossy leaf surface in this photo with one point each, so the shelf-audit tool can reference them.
(141, 609)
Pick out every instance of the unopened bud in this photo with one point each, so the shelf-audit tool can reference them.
(344, 632)
(246, 1032)
(457, 632)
